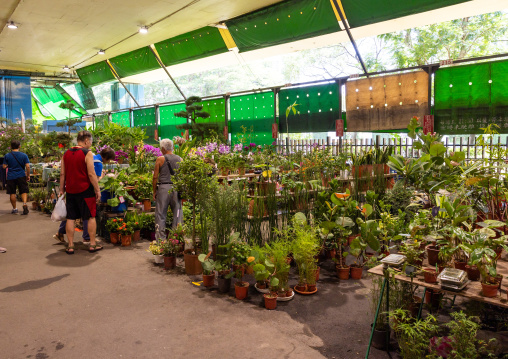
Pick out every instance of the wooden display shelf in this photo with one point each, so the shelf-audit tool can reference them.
(472, 291)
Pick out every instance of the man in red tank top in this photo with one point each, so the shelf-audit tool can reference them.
(79, 181)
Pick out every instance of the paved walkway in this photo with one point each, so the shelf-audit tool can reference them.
(117, 304)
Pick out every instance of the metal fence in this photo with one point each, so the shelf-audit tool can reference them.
(401, 146)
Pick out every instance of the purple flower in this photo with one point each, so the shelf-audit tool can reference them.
(119, 154)
(152, 150)
(238, 147)
(223, 149)
(252, 145)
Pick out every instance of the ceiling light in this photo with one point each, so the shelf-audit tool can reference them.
(143, 30)
(12, 25)
(66, 68)
(101, 52)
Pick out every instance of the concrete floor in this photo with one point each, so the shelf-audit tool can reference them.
(117, 304)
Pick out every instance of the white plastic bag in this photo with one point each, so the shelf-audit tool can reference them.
(60, 212)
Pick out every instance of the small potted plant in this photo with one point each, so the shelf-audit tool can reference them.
(143, 192)
(240, 253)
(135, 220)
(126, 230)
(208, 269)
(430, 274)
(156, 250)
(368, 238)
(113, 225)
(170, 247)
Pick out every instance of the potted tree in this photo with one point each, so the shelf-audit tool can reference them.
(193, 182)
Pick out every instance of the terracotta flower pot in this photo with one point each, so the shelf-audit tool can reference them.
(430, 275)
(433, 254)
(317, 273)
(301, 287)
(114, 238)
(136, 236)
(311, 287)
(224, 171)
(241, 290)
(460, 265)
(270, 301)
(126, 240)
(342, 272)
(147, 205)
(356, 272)
(497, 279)
(351, 238)
(34, 206)
(473, 273)
(332, 253)
(209, 280)
(169, 262)
(192, 264)
(241, 171)
(489, 290)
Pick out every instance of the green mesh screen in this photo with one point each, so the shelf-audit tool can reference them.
(318, 106)
(134, 62)
(282, 23)
(468, 98)
(255, 113)
(168, 121)
(86, 96)
(145, 118)
(122, 118)
(50, 99)
(193, 45)
(364, 12)
(95, 74)
(100, 120)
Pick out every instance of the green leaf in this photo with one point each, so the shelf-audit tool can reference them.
(368, 209)
(437, 149)
(202, 257)
(345, 222)
(274, 282)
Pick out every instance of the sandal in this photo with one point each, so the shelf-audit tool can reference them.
(95, 248)
(69, 250)
(59, 237)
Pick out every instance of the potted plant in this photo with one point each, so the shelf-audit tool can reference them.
(225, 163)
(240, 253)
(113, 225)
(368, 238)
(119, 202)
(126, 230)
(135, 220)
(143, 191)
(193, 183)
(208, 269)
(430, 274)
(156, 250)
(169, 249)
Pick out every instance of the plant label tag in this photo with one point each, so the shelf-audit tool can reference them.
(428, 124)
(275, 130)
(121, 199)
(339, 128)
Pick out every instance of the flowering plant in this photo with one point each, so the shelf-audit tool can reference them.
(121, 154)
(126, 228)
(113, 224)
(170, 247)
(154, 248)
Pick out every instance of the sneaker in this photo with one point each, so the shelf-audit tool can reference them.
(14, 211)
(25, 209)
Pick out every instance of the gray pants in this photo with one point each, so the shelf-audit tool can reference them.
(165, 199)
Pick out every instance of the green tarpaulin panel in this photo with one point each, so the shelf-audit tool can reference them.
(217, 110)
(68, 98)
(168, 121)
(100, 120)
(255, 113)
(134, 62)
(318, 106)
(193, 45)
(95, 74)
(145, 118)
(364, 12)
(46, 101)
(122, 118)
(282, 23)
(469, 98)
(86, 96)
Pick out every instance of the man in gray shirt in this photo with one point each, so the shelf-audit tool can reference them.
(165, 167)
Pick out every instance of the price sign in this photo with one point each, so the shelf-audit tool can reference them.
(275, 130)
(354, 76)
(428, 124)
(339, 128)
(121, 199)
(446, 62)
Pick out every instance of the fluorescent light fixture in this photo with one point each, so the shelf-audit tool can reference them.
(66, 68)
(101, 52)
(143, 30)
(12, 25)
(220, 26)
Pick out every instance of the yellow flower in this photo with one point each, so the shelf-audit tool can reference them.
(251, 259)
(267, 173)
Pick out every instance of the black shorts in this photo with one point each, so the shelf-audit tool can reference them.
(20, 183)
(81, 205)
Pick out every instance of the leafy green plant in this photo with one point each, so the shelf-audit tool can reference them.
(207, 263)
(305, 247)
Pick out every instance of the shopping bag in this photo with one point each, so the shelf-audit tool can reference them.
(60, 212)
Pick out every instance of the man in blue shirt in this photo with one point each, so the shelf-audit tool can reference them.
(18, 175)
(106, 155)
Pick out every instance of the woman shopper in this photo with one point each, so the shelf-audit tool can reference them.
(165, 167)
(79, 180)
(18, 175)
(105, 156)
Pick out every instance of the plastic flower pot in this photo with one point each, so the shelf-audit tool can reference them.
(489, 290)
(433, 254)
(114, 238)
(136, 236)
(356, 272)
(158, 259)
(241, 290)
(169, 262)
(270, 301)
(147, 205)
(473, 273)
(342, 272)
(209, 280)
(126, 240)
(192, 264)
(430, 275)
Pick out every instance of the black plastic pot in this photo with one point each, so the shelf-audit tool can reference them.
(224, 284)
(381, 339)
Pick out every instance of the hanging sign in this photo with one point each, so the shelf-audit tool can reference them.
(226, 132)
(428, 124)
(339, 128)
(186, 135)
(275, 130)
(446, 62)
(156, 134)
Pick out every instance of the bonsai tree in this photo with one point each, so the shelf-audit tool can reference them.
(70, 122)
(193, 182)
(192, 112)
